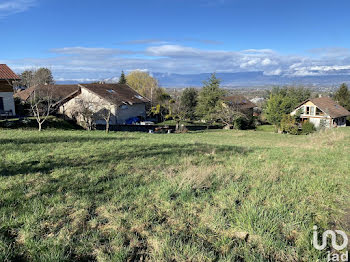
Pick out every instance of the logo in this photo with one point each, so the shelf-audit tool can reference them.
(333, 235)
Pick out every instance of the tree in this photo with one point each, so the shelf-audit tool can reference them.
(41, 76)
(122, 79)
(160, 106)
(282, 101)
(105, 113)
(176, 110)
(83, 113)
(209, 98)
(143, 83)
(41, 104)
(230, 115)
(275, 109)
(189, 99)
(342, 96)
(40, 100)
(27, 78)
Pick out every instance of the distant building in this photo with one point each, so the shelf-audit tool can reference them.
(123, 102)
(322, 111)
(7, 78)
(241, 104)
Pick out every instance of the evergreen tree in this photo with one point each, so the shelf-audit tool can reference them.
(342, 96)
(188, 102)
(122, 79)
(282, 101)
(209, 98)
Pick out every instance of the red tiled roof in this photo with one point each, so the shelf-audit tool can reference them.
(117, 94)
(239, 101)
(7, 73)
(330, 107)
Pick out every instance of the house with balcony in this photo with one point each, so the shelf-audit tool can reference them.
(322, 111)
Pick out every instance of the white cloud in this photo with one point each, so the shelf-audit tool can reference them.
(101, 63)
(15, 6)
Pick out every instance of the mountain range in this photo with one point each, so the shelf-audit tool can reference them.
(241, 79)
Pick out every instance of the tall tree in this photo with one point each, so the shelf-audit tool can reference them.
(342, 96)
(40, 76)
(188, 100)
(282, 101)
(143, 83)
(44, 76)
(122, 79)
(26, 78)
(209, 98)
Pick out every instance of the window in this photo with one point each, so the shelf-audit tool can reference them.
(319, 112)
(310, 110)
(110, 91)
(307, 110)
(1, 104)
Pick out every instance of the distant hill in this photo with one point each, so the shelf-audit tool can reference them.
(241, 79)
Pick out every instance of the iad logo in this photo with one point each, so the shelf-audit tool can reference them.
(332, 234)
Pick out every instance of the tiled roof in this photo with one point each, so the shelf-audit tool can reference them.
(58, 91)
(239, 101)
(330, 107)
(116, 93)
(7, 73)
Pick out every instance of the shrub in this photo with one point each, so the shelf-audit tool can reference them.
(288, 125)
(307, 128)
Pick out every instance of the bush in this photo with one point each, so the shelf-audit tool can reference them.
(242, 123)
(288, 125)
(307, 128)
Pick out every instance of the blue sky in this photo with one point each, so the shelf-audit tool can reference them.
(97, 39)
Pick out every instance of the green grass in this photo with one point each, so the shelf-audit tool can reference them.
(186, 123)
(265, 128)
(204, 196)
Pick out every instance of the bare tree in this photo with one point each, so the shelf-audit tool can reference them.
(105, 113)
(83, 113)
(41, 104)
(228, 113)
(176, 110)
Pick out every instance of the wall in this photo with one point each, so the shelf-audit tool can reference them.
(9, 103)
(315, 119)
(127, 111)
(118, 115)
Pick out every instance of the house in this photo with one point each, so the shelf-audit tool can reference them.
(241, 104)
(121, 101)
(7, 78)
(322, 111)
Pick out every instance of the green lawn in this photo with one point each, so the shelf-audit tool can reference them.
(204, 196)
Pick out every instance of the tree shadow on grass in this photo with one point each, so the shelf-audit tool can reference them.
(127, 153)
(61, 139)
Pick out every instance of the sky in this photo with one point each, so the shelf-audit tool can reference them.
(90, 40)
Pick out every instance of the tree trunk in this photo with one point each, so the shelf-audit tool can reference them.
(107, 127)
(177, 126)
(39, 124)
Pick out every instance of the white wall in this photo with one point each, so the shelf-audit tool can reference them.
(315, 119)
(9, 103)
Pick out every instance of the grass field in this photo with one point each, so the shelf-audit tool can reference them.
(203, 196)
